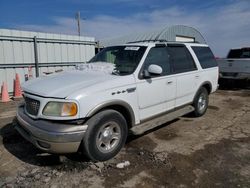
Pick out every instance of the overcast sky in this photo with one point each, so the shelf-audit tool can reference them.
(225, 24)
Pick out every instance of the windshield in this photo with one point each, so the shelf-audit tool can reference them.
(124, 58)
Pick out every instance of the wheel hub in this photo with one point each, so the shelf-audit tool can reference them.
(202, 102)
(108, 137)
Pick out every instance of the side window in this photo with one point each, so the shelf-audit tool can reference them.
(181, 60)
(205, 57)
(245, 54)
(158, 56)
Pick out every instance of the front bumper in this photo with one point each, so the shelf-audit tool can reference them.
(49, 136)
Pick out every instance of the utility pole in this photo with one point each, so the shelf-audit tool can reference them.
(78, 19)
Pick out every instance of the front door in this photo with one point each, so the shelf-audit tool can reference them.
(157, 93)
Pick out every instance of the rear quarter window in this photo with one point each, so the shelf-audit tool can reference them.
(205, 57)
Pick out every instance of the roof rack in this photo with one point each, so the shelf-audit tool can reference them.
(147, 41)
(162, 41)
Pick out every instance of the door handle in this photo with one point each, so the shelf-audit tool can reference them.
(169, 82)
(197, 76)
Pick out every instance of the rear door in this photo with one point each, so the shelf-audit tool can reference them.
(185, 71)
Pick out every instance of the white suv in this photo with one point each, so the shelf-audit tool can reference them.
(134, 87)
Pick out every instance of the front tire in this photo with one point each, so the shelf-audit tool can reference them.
(200, 102)
(105, 136)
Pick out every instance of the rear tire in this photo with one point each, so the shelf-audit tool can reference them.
(201, 102)
(106, 135)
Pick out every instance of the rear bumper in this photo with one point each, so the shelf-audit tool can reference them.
(50, 136)
(235, 76)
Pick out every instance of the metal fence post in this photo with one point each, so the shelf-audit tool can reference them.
(98, 46)
(36, 57)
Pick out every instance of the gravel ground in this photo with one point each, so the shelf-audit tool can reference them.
(210, 151)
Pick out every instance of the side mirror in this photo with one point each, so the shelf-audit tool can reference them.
(155, 69)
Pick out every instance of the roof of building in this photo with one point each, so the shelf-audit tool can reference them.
(167, 34)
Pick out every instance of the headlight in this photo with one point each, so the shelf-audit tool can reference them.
(61, 109)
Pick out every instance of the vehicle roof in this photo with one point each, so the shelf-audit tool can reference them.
(240, 48)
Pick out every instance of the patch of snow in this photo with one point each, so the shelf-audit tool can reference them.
(104, 67)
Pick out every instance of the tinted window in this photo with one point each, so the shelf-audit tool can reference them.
(158, 56)
(181, 59)
(205, 57)
(239, 53)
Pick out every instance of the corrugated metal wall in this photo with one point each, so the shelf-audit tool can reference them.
(169, 33)
(54, 52)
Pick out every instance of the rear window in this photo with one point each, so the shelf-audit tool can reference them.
(205, 57)
(239, 53)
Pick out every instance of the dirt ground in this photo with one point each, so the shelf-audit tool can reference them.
(210, 151)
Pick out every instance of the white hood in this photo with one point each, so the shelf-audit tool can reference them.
(63, 84)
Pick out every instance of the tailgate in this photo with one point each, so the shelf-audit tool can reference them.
(234, 65)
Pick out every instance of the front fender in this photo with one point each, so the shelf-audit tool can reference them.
(112, 103)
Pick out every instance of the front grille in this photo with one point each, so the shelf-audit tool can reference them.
(32, 106)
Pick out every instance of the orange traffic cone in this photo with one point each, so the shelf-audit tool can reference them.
(17, 87)
(4, 91)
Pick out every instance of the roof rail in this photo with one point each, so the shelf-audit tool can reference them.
(147, 41)
(162, 41)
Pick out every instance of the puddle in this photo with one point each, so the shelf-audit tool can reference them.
(165, 134)
(143, 142)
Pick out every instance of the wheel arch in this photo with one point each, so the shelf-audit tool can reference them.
(207, 85)
(122, 107)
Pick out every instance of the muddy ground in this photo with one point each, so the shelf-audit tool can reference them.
(210, 151)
